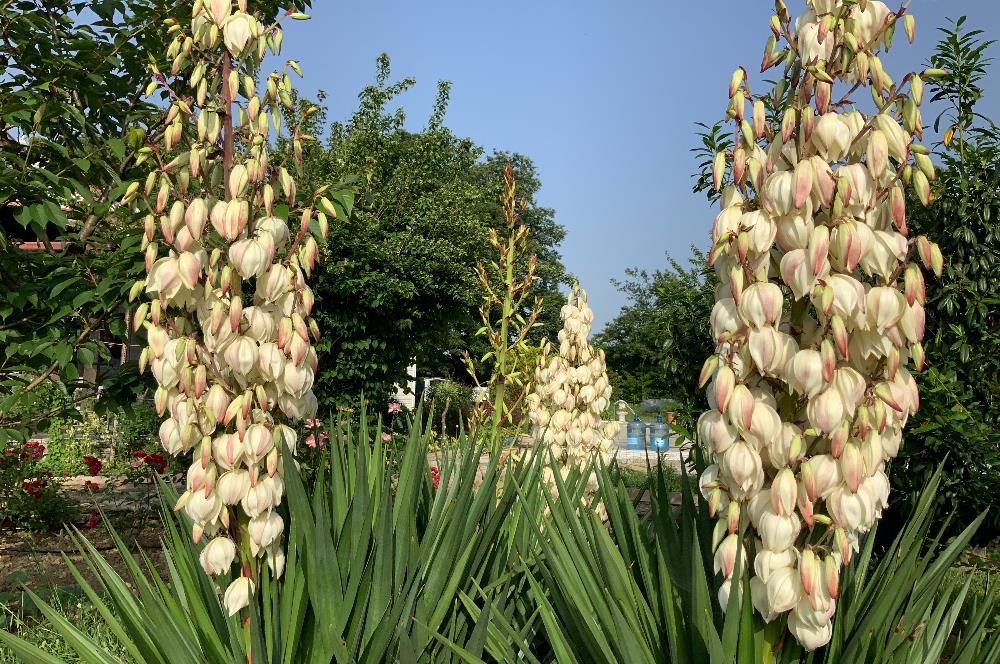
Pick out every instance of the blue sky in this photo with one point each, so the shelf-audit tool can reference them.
(602, 95)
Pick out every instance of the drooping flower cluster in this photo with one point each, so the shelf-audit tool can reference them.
(570, 392)
(228, 324)
(819, 311)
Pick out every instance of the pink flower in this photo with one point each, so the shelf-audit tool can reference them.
(386, 437)
(311, 440)
(395, 407)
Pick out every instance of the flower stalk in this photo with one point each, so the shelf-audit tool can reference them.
(229, 246)
(809, 388)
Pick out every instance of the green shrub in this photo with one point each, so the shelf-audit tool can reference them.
(29, 495)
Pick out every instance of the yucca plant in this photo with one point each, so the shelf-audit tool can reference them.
(644, 590)
(379, 567)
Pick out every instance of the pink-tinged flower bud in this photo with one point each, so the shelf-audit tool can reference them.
(831, 137)
(759, 121)
(740, 407)
(784, 491)
(164, 278)
(917, 355)
(725, 318)
(241, 354)
(767, 350)
(718, 170)
(911, 324)
(217, 402)
(715, 431)
(878, 153)
(787, 124)
(831, 574)
(761, 305)
(708, 369)
(826, 410)
(265, 529)
(202, 507)
(257, 500)
(822, 476)
(922, 187)
(898, 203)
(218, 217)
(796, 273)
(201, 477)
(765, 426)
(819, 247)
(195, 217)
(803, 184)
(725, 555)
(170, 436)
(851, 511)
(238, 592)
(805, 505)
(852, 466)
(884, 391)
(766, 562)
(285, 332)
(779, 193)
(220, 10)
(235, 313)
(823, 92)
(270, 362)
(200, 381)
(227, 450)
(723, 386)
(784, 589)
(217, 556)
(296, 380)
(915, 289)
(851, 241)
(233, 485)
(807, 631)
(885, 306)
(808, 570)
(742, 470)
(732, 517)
(806, 372)
(257, 442)
(778, 532)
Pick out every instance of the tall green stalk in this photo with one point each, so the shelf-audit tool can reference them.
(506, 334)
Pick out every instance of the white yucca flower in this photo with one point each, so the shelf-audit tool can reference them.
(570, 392)
(229, 313)
(819, 312)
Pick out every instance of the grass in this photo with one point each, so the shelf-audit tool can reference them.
(641, 479)
(27, 624)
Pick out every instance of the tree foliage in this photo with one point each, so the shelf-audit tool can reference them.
(655, 344)
(397, 281)
(960, 410)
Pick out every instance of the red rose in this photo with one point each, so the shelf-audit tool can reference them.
(93, 464)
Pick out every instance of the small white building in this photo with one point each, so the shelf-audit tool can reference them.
(408, 395)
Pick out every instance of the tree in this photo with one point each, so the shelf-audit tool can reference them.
(655, 344)
(75, 127)
(397, 280)
(959, 416)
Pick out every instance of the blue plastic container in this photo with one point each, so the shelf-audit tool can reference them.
(635, 434)
(661, 435)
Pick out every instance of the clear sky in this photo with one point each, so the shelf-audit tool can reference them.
(602, 94)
